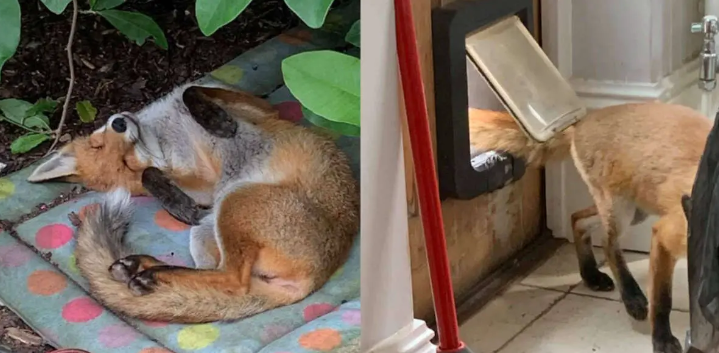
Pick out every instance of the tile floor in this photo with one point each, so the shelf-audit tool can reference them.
(551, 311)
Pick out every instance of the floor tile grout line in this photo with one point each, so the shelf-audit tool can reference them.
(530, 323)
(544, 288)
(544, 312)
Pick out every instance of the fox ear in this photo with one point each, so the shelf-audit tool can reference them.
(62, 164)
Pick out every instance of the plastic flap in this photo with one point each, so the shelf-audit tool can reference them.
(525, 80)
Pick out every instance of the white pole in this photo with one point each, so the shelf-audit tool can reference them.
(388, 323)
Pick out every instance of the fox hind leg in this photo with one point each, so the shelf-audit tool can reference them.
(663, 257)
(617, 215)
(588, 269)
(144, 275)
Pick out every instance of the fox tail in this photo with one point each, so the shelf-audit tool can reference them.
(498, 131)
(100, 242)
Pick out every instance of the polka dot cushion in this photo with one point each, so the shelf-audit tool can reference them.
(336, 331)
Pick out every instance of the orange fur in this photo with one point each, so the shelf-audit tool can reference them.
(634, 158)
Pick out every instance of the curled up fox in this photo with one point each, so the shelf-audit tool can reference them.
(636, 159)
(274, 206)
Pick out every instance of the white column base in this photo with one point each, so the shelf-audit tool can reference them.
(599, 94)
(413, 338)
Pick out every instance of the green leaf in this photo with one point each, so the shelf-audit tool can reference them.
(213, 14)
(38, 121)
(98, 5)
(86, 111)
(56, 6)
(327, 83)
(19, 112)
(353, 35)
(43, 105)
(135, 26)
(15, 109)
(27, 142)
(342, 128)
(9, 29)
(311, 12)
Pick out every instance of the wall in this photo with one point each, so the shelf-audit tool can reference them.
(481, 233)
(618, 51)
(636, 41)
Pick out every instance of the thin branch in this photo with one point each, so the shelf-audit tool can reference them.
(66, 104)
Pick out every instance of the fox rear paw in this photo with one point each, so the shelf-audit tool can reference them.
(143, 283)
(124, 269)
(668, 344)
(598, 281)
(137, 271)
(637, 307)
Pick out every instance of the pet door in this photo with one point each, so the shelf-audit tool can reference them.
(488, 41)
(528, 84)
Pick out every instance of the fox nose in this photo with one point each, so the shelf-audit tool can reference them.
(119, 125)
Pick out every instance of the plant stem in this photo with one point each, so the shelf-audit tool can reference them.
(66, 104)
(27, 128)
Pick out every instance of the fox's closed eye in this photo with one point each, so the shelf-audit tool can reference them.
(96, 141)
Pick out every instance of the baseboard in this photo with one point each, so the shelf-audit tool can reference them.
(598, 94)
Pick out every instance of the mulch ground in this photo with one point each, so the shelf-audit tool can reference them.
(112, 72)
(16, 337)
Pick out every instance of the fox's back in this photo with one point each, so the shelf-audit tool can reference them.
(646, 151)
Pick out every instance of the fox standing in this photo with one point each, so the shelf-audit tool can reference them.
(284, 207)
(636, 159)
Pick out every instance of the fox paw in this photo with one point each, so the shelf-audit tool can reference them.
(669, 344)
(637, 307)
(598, 281)
(124, 269)
(142, 283)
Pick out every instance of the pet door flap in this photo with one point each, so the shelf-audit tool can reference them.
(525, 80)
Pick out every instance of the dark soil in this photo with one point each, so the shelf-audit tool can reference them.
(112, 72)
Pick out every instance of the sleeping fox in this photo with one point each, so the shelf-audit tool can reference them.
(636, 159)
(274, 206)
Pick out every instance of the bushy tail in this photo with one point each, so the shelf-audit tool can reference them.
(100, 243)
(491, 130)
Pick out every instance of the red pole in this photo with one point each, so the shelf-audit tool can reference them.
(427, 186)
